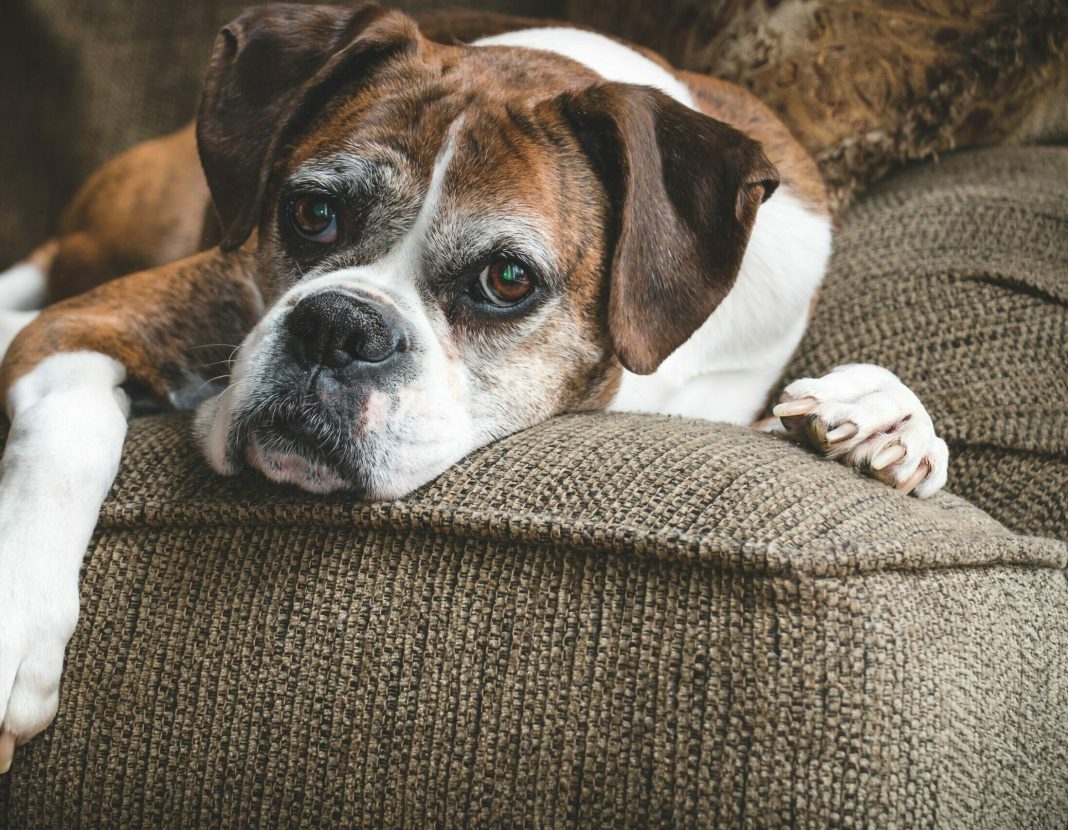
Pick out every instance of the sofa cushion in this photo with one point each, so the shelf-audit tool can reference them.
(607, 620)
(955, 276)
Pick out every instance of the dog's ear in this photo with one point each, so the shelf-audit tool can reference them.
(272, 69)
(684, 190)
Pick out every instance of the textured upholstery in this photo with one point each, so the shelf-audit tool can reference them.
(955, 276)
(607, 621)
(619, 620)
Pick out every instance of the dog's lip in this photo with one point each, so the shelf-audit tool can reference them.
(295, 435)
(289, 450)
(291, 467)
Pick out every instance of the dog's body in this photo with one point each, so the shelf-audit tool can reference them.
(424, 247)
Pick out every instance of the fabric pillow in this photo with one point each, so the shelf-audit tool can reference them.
(867, 85)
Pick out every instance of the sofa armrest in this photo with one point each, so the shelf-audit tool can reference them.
(607, 620)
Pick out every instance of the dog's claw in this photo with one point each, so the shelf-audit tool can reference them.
(790, 409)
(889, 455)
(864, 416)
(7, 751)
(842, 432)
(914, 481)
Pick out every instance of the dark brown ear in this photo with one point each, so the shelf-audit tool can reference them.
(272, 69)
(684, 189)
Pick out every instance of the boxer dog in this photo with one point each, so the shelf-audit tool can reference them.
(418, 242)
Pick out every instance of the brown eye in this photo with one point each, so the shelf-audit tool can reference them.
(505, 282)
(312, 215)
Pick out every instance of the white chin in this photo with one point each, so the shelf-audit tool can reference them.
(289, 468)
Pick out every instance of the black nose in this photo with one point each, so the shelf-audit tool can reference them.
(335, 330)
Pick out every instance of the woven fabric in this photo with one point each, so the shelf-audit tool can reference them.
(607, 621)
(955, 276)
(615, 621)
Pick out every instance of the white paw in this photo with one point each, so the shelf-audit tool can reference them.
(864, 416)
(38, 612)
(67, 427)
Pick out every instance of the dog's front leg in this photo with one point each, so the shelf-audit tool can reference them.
(68, 419)
(864, 416)
(63, 378)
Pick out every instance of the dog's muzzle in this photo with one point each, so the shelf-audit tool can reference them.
(329, 387)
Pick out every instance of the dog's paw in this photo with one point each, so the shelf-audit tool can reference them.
(864, 416)
(38, 612)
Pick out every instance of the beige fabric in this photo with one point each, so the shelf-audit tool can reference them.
(955, 276)
(608, 621)
(611, 621)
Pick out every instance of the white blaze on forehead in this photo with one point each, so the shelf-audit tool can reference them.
(399, 269)
(412, 242)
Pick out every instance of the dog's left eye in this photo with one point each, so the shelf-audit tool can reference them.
(314, 217)
(505, 282)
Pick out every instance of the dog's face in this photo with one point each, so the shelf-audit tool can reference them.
(455, 243)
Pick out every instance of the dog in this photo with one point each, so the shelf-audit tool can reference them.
(406, 243)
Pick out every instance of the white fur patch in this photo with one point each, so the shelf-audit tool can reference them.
(726, 369)
(22, 287)
(608, 58)
(68, 424)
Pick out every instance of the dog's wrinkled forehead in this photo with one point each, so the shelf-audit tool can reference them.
(400, 119)
(410, 105)
(470, 110)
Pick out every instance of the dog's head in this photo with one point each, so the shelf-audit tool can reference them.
(454, 242)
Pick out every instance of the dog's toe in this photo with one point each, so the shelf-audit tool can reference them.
(864, 416)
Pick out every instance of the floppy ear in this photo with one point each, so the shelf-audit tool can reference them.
(272, 69)
(684, 189)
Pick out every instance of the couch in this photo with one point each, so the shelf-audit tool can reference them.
(622, 621)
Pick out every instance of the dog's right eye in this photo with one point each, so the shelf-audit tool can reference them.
(314, 217)
(505, 283)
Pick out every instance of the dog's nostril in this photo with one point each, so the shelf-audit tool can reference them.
(371, 346)
(335, 330)
(301, 322)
